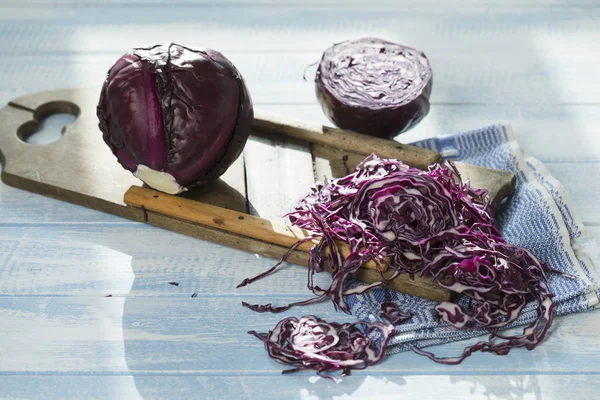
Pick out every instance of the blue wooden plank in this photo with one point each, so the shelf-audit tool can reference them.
(382, 387)
(207, 336)
(337, 4)
(25, 208)
(277, 78)
(45, 29)
(136, 260)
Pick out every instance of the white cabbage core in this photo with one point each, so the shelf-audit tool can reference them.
(158, 180)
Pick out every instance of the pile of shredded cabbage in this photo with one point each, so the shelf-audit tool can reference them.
(430, 224)
(312, 343)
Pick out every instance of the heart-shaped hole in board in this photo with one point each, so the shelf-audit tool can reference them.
(49, 123)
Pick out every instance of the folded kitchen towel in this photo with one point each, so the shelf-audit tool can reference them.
(537, 217)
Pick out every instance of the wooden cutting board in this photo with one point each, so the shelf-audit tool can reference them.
(81, 169)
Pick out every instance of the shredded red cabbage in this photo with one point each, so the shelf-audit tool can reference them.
(426, 223)
(312, 343)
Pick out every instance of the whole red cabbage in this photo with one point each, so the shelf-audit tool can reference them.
(175, 116)
(374, 86)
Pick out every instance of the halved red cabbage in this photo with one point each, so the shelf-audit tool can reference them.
(373, 86)
(431, 224)
(312, 343)
(175, 116)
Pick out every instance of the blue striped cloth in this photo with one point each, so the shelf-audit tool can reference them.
(538, 217)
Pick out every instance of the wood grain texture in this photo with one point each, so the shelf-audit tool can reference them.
(274, 78)
(96, 260)
(331, 162)
(499, 184)
(338, 4)
(217, 217)
(346, 140)
(281, 172)
(375, 386)
(133, 335)
(229, 191)
(99, 259)
(308, 28)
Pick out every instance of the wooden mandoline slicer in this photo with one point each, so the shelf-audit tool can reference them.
(81, 169)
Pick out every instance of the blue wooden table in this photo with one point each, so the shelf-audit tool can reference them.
(533, 64)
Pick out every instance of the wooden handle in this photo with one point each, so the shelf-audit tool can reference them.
(346, 140)
(227, 220)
